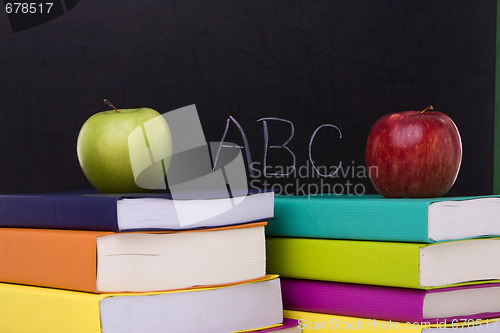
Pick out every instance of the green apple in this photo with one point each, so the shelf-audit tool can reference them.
(125, 150)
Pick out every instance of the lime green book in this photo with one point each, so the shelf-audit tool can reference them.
(373, 217)
(396, 264)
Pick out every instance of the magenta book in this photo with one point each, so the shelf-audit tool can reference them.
(388, 303)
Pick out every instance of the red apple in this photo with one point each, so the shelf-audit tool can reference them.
(415, 154)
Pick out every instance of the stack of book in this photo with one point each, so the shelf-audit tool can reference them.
(91, 263)
(358, 263)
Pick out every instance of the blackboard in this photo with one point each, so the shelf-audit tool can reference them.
(330, 68)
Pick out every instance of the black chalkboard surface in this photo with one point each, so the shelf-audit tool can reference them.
(322, 70)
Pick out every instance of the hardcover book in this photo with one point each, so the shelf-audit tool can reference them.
(247, 306)
(395, 264)
(388, 303)
(372, 217)
(88, 210)
(98, 261)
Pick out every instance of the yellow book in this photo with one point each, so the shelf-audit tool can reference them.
(311, 322)
(245, 306)
(288, 326)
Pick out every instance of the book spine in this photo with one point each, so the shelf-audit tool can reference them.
(27, 309)
(351, 218)
(377, 263)
(63, 259)
(356, 300)
(77, 212)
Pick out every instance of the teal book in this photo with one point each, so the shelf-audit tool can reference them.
(373, 217)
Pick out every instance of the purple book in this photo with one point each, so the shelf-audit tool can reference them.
(389, 303)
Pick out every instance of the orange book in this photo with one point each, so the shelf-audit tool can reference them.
(106, 262)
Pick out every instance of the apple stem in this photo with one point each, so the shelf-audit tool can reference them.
(427, 108)
(110, 105)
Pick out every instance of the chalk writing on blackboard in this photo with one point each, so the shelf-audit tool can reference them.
(334, 173)
(287, 177)
(291, 168)
(281, 146)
